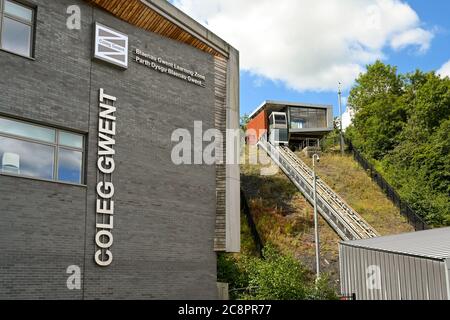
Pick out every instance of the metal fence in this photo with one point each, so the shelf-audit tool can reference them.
(413, 218)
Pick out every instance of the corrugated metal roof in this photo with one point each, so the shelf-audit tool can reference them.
(434, 244)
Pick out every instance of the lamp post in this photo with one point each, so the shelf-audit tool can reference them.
(341, 137)
(316, 218)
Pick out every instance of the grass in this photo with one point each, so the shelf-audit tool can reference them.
(352, 183)
(285, 219)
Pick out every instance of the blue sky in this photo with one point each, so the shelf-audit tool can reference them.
(413, 34)
(433, 13)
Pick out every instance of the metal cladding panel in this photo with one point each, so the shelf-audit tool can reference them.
(447, 279)
(433, 244)
(361, 267)
(406, 279)
(374, 294)
(403, 282)
(377, 275)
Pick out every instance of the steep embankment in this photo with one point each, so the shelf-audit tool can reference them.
(284, 218)
(352, 183)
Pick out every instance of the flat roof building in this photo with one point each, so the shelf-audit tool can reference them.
(298, 124)
(412, 266)
(92, 203)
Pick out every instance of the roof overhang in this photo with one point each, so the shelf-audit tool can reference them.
(317, 132)
(161, 17)
(272, 105)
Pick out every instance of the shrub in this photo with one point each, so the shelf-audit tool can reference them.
(277, 277)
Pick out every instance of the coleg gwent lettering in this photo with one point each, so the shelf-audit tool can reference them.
(105, 187)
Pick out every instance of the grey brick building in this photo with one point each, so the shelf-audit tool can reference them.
(165, 72)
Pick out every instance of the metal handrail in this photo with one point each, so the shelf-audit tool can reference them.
(346, 222)
(335, 199)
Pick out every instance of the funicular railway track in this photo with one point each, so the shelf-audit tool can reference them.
(345, 221)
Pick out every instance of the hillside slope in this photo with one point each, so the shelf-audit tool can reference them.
(351, 182)
(284, 218)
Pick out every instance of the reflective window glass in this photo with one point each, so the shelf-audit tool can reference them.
(297, 124)
(280, 119)
(33, 151)
(70, 165)
(26, 158)
(18, 11)
(16, 37)
(308, 118)
(26, 130)
(70, 140)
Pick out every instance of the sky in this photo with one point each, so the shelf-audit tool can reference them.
(299, 50)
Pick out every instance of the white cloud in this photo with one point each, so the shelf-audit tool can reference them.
(258, 82)
(311, 44)
(419, 37)
(347, 118)
(444, 71)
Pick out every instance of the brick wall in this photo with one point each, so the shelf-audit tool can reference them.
(164, 215)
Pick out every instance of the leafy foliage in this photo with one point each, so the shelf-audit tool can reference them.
(277, 277)
(380, 115)
(245, 119)
(402, 123)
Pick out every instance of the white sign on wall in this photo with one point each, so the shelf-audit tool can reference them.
(111, 46)
(167, 67)
(106, 165)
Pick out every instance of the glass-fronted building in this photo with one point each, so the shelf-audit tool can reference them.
(305, 123)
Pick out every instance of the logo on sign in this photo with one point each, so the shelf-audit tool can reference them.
(111, 46)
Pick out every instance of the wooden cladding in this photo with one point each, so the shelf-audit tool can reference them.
(220, 87)
(142, 16)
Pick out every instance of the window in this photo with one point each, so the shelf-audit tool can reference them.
(297, 124)
(308, 118)
(16, 27)
(40, 152)
(280, 119)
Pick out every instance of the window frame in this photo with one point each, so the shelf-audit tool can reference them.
(280, 119)
(56, 146)
(68, 148)
(313, 118)
(31, 24)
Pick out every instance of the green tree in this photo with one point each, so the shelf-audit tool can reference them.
(380, 115)
(402, 125)
(244, 121)
(432, 103)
